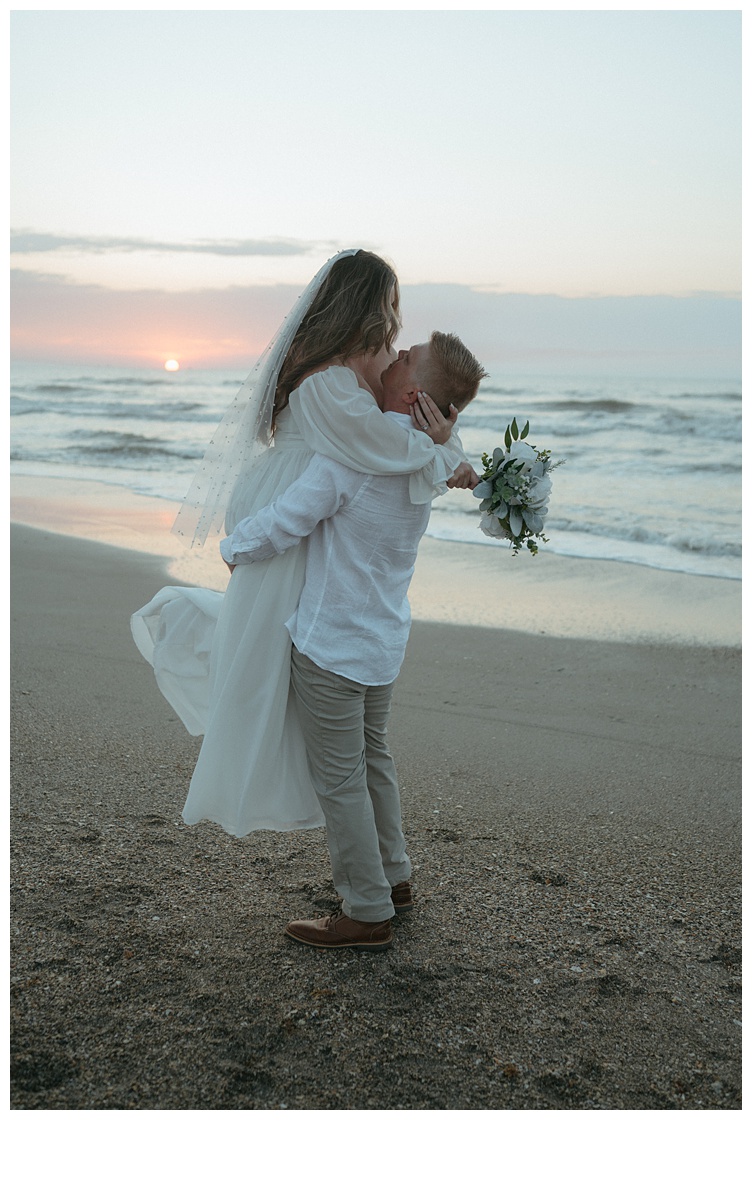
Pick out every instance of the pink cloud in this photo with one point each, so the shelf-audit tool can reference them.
(57, 320)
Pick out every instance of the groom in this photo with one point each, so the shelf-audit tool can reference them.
(349, 635)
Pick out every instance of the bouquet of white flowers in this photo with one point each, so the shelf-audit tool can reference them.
(514, 490)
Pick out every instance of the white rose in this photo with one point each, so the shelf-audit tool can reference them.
(521, 451)
(492, 527)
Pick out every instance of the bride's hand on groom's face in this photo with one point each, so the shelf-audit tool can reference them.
(427, 418)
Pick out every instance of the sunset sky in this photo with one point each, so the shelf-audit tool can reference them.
(177, 176)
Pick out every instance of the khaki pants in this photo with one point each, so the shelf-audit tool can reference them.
(353, 773)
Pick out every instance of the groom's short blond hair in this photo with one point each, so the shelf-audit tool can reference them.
(452, 374)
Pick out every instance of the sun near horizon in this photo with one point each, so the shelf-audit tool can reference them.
(172, 364)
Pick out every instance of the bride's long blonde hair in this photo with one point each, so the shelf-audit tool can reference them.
(356, 312)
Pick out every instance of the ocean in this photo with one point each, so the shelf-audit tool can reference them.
(651, 472)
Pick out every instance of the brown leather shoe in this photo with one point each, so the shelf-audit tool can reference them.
(339, 932)
(402, 897)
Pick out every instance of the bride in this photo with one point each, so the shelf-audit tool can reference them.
(223, 662)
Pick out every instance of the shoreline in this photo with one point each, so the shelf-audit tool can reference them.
(572, 814)
(554, 595)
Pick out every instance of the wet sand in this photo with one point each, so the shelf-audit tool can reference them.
(572, 810)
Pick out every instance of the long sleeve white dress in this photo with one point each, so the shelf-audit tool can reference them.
(223, 661)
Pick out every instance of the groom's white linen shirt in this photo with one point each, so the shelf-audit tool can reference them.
(353, 617)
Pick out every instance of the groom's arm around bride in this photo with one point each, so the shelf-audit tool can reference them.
(349, 634)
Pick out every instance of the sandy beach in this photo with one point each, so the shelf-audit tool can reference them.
(571, 805)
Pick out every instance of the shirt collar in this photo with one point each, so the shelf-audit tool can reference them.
(401, 418)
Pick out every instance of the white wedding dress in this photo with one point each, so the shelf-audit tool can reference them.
(223, 661)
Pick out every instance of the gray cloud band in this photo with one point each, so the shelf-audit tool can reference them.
(29, 242)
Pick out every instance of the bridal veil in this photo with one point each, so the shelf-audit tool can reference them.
(245, 430)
